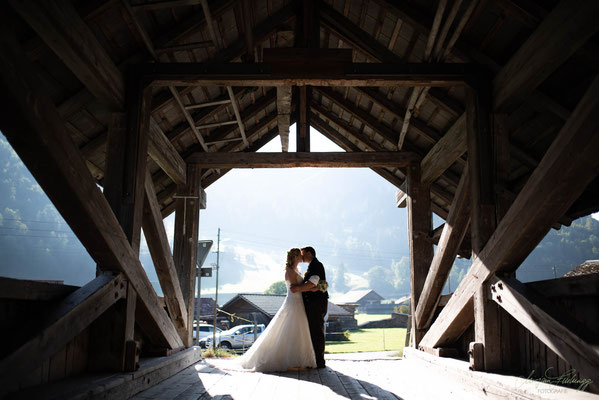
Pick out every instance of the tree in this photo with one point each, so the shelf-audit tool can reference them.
(277, 288)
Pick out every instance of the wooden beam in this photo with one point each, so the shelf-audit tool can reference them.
(292, 160)
(401, 197)
(71, 316)
(398, 111)
(365, 43)
(516, 299)
(110, 333)
(20, 289)
(303, 125)
(445, 152)
(45, 147)
(165, 155)
(284, 114)
(567, 28)
(263, 74)
(580, 285)
(162, 257)
(421, 249)
(248, 31)
(185, 242)
(126, 156)
(483, 220)
(386, 132)
(75, 46)
(454, 230)
(554, 185)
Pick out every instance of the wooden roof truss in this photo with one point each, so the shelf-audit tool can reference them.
(155, 101)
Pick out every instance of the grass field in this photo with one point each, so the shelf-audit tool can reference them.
(374, 339)
(361, 318)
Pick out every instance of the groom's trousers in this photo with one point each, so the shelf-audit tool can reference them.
(316, 311)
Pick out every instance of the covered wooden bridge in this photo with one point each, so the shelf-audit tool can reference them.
(484, 112)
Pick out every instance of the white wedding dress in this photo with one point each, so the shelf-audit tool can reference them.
(285, 343)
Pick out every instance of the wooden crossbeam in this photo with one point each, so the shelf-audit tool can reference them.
(579, 285)
(292, 160)
(454, 230)
(262, 74)
(554, 185)
(567, 28)
(528, 309)
(162, 257)
(46, 149)
(20, 289)
(71, 316)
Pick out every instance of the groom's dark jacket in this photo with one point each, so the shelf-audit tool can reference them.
(315, 268)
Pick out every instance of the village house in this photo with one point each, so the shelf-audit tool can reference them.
(263, 307)
(367, 300)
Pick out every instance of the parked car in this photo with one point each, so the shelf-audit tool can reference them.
(237, 337)
(205, 331)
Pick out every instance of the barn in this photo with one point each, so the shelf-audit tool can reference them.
(485, 113)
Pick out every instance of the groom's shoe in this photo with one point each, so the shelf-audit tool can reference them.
(319, 366)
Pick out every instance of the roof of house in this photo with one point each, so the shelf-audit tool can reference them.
(587, 267)
(269, 304)
(206, 307)
(354, 296)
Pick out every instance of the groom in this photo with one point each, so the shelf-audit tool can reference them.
(315, 301)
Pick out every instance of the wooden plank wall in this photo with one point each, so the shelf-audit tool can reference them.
(525, 355)
(71, 360)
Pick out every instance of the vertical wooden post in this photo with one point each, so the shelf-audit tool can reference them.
(421, 248)
(501, 143)
(185, 246)
(303, 126)
(483, 218)
(307, 36)
(126, 154)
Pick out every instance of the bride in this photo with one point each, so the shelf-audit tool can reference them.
(285, 343)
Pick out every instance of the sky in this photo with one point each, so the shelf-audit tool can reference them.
(348, 215)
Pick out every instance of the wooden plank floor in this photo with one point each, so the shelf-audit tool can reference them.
(344, 378)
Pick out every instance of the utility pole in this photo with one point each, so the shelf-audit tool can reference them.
(216, 294)
(554, 273)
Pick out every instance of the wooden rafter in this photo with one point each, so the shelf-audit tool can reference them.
(449, 243)
(567, 28)
(75, 48)
(162, 257)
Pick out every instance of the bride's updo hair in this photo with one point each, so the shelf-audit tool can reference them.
(291, 254)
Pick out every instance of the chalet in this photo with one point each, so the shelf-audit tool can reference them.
(368, 301)
(263, 308)
(485, 113)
